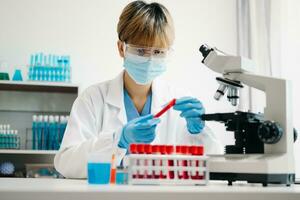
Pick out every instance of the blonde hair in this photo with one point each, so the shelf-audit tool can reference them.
(146, 24)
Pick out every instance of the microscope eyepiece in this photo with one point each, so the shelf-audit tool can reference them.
(204, 49)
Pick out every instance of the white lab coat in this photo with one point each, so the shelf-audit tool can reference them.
(97, 118)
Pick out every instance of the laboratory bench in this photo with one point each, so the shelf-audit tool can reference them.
(49, 189)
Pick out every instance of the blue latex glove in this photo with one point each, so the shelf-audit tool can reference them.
(191, 109)
(139, 130)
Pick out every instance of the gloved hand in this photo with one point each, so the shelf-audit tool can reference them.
(191, 109)
(139, 130)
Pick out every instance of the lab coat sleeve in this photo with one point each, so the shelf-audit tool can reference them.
(81, 138)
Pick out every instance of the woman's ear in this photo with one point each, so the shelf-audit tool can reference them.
(121, 48)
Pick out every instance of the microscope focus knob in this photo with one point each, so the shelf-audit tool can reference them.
(269, 132)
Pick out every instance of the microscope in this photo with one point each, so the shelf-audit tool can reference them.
(263, 151)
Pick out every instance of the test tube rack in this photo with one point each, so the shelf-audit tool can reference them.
(167, 165)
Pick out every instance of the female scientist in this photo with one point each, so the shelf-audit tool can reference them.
(116, 113)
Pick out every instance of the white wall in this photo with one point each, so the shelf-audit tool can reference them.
(86, 30)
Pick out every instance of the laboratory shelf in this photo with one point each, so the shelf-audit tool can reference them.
(22, 151)
(37, 86)
(19, 101)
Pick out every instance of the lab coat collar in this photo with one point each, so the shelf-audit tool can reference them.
(115, 95)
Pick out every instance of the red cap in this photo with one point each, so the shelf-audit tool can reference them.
(200, 150)
(155, 149)
(147, 148)
(133, 148)
(170, 149)
(140, 148)
(178, 149)
(193, 150)
(185, 149)
(163, 149)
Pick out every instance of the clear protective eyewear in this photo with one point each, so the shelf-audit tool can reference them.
(148, 52)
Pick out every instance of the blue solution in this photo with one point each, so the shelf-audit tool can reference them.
(34, 134)
(121, 178)
(18, 75)
(51, 135)
(39, 135)
(62, 128)
(56, 136)
(50, 67)
(99, 173)
(45, 136)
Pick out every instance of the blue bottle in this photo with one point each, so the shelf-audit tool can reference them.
(31, 65)
(34, 132)
(16, 140)
(36, 60)
(45, 133)
(51, 132)
(5, 134)
(40, 132)
(6, 146)
(10, 139)
(56, 134)
(62, 128)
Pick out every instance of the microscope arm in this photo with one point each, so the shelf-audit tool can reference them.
(219, 117)
(253, 80)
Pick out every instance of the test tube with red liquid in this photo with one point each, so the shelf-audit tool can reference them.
(133, 150)
(200, 151)
(163, 162)
(140, 150)
(179, 163)
(185, 151)
(196, 151)
(170, 150)
(156, 162)
(148, 162)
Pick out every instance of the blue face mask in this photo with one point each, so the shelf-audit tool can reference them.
(143, 70)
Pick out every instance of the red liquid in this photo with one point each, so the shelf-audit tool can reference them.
(170, 150)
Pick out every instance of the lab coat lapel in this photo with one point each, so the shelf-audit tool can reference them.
(115, 97)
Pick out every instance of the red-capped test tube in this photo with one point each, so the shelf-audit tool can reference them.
(194, 163)
(200, 152)
(133, 150)
(179, 163)
(196, 151)
(148, 162)
(155, 162)
(185, 151)
(170, 150)
(163, 162)
(140, 150)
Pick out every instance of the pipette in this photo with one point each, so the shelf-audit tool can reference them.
(166, 108)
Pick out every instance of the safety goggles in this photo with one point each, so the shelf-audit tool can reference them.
(148, 52)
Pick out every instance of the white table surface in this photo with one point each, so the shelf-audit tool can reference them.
(56, 189)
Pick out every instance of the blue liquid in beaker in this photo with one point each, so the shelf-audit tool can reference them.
(98, 173)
